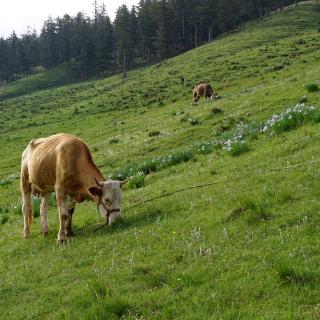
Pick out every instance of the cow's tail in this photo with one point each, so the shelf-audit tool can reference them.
(27, 199)
(25, 185)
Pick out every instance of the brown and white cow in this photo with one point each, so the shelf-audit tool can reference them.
(203, 90)
(63, 164)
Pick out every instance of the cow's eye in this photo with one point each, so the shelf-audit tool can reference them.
(107, 200)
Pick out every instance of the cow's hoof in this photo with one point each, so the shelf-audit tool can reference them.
(26, 234)
(45, 231)
(62, 241)
(62, 238)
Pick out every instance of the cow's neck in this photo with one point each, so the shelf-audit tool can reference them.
(90, 177)
(95, 175)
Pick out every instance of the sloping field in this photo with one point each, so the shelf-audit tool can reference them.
(246, 246)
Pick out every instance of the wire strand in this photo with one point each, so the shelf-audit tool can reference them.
(222, 181)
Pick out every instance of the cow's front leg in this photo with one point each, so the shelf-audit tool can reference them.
(63, 216)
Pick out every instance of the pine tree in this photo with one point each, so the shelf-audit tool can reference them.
(104, 42)
(146, 30)
(122, 31)
(14, 56)
(229, 15)
(162, 37)
(83, 50)
(4, 59)
(29, 51)
(65, 29)
(49, 45)
(134, 37)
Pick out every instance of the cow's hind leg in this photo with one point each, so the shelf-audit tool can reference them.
(27, 212)
(25, 187)
(43, 214)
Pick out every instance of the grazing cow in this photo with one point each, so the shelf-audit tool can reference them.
(203, 89)
(62, 163)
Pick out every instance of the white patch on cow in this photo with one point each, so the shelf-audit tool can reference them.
(113, 184)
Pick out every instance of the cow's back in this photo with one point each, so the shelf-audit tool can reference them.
(199, 89)
(53, 159)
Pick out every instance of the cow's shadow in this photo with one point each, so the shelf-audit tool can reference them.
(148, 216)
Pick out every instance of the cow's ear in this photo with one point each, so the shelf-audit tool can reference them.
(95, 191)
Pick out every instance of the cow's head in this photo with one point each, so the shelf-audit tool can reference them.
(108, 197)
(195, 96)
(196, 99)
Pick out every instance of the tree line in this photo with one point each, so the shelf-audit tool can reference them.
(145, 34)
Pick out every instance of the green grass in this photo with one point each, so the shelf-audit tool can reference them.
(312, 87)
(239, 148)
(36, 207)
(289, 275)
(4, 217)
(137, 181)
(40, 81)
(244, 247)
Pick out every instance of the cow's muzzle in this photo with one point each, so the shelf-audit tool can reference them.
(112, 214)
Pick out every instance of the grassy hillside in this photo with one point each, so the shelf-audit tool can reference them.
(244, 247)
(40, 81)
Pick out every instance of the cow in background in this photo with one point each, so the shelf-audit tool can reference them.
(203, 90)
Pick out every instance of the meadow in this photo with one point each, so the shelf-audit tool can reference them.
(245, 246)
